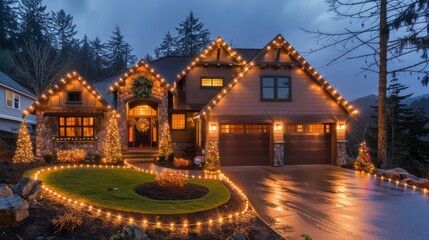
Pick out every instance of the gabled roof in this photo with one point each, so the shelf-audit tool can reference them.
(9, 82)
(133, 69)
(280, 42)
(58, 86)
(169, 66)
(103, 87)
(212, 47)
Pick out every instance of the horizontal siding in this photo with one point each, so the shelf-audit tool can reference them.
(307, 97)
(16, 113)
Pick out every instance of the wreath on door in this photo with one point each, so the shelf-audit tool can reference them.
(142, 125)
(142, 87)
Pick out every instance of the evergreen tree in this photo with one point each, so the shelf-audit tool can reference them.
(165, 150)
(99, 54)
(129, 57)
(33, 21)
(8, 23)
(119, 52)
(148, 58)
(112, 144)
(85, 64)
(167, 46)
(192, 37)
(363, 160)
(24, 147)
(62, 31)
(212, 159)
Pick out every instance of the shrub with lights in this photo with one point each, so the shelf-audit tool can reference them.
(71, 156)
(112, 145)
(363, 161)
(212, 158)
(165, 150)
(171, 179)
(24, 147)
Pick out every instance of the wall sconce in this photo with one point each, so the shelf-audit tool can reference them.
(213, 127)
(341, 126)
(278, 127)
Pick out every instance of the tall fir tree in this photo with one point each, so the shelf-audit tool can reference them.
(114, 47)
(192, 37)
(112, 145)
(167, 46)
(62, 31)
(24, 147)
(99, 54)
(129, 57)
(8, 23)
(33, 21)
(85, 63)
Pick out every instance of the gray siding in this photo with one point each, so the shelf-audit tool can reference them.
(15, 114)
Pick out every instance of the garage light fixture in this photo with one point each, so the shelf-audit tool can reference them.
(341, 126)
(213, 127)
(278, 127)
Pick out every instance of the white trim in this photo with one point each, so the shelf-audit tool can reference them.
(13, 100)
(2, 116)
(20, 92)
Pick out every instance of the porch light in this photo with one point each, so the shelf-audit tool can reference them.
(341, 126)
(213, 127)
(278, 127)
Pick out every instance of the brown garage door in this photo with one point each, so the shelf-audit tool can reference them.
(244, 145)
(308, 144)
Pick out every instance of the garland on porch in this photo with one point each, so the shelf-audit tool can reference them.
(142, 125)
(142, 87)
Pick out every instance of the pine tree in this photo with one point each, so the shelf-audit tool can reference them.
(363, 160)
(129, 57)
(212, 157)
(8, 23)
(33, 21)
(24, 147)
(112, 144)
(99, 52)
(167, 46)
(165, 150)
(148, 58)
(85, 64)
(62, 30)
(192, 37)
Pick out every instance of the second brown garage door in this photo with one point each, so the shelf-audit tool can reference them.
(244, 145)
(308, 144)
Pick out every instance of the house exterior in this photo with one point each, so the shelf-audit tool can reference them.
(262, 106)
(14, 98)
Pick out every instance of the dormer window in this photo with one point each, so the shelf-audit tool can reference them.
(74, 97)
(214, 82)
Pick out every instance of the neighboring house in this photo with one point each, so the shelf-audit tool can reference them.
(14, 98)
(263, 106)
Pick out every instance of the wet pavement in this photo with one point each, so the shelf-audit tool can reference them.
(330, 202)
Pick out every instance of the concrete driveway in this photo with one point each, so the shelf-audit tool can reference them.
(329, 202)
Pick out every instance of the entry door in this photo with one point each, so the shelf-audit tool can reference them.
(143, 138)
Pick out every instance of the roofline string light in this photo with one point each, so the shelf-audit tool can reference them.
(57, 87)
(109, 216)
(278, 42)
(134, 69)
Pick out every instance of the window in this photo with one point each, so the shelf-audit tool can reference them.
(211, 82)
(12, 100)
(142, 110)
(275, 88)
(178, 121)
(76, 127)
(74, 97)
(238, 128)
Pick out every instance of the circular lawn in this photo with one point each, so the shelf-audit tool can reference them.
(115, 189)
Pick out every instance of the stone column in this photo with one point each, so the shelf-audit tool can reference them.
(162, 114)
(279, 154)
(39, 133)
(122, 123)
(342, 157)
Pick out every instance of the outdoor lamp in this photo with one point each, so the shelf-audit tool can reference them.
(213, 127)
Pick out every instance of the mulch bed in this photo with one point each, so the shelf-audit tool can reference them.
(153, 190)
(168, 164)
(11, 173)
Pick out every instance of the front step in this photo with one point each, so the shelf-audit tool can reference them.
(141, 155)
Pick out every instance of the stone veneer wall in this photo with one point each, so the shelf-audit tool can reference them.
(342, 157)
(279, 154)
(125, 95)
(47, 128)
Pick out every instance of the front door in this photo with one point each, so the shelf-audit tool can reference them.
(142, 133)
(142, 126)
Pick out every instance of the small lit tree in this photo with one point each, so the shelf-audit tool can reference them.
(112, 144)
(165, 150)
(24, 148)
(212, 157)
(363, 161)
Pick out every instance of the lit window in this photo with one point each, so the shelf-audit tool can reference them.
(12, 100)
(178, 121)
(75, 97)
(142, 110)
(299, 128)
(211, 82)
(316, 128)
(76, 127)
(275, 88)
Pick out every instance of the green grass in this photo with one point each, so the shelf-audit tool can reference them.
(91, 185)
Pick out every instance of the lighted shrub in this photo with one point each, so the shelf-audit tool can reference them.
(171, 179)
(180, 162)
(71, 156)
(67, 223)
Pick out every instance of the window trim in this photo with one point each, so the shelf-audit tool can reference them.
(211, 87)
(171, 123)
(74, 102)
(275, 99)
(81, 126)
(13, 100)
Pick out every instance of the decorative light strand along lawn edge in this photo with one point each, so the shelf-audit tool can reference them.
(424, 191)
(118, 217)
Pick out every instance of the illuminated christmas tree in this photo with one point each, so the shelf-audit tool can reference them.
(363, 161)
(24, 148)
(165, 150)
(212, 158)
(112, 144)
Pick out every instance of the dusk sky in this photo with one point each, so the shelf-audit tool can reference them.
(247, 23)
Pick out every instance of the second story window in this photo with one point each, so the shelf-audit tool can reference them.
(211, 82)
(12, 100)
(275, 88)
(74, 97)
(178, 121)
